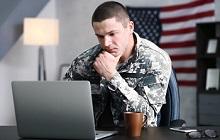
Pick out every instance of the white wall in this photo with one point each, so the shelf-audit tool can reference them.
(20, 63)
(76, 35)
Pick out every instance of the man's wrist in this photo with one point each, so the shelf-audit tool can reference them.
(113, 82)
(114, 76)
(115, 79)
(110, 75)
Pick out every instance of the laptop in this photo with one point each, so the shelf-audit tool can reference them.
(55, 109)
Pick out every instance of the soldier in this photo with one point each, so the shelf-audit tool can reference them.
(126, 72)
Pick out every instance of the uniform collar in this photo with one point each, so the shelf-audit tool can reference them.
(138, 40)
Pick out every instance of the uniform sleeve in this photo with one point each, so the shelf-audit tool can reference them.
(69, 74)
(72, 74)
(81, 67)
(151, 96)
(79, 71)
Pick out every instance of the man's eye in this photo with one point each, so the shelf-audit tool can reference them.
(112, 34)
(99, 36)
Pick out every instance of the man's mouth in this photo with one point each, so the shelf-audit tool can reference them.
(112, 50)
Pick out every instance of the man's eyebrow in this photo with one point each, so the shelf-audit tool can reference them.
(113, 31)
(99, 35)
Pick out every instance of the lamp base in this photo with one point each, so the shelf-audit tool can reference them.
(41, 65)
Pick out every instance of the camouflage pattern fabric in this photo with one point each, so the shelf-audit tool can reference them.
(139, 85)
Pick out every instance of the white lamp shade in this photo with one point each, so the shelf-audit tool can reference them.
(41, 31)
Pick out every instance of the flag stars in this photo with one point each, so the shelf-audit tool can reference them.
(146, 23)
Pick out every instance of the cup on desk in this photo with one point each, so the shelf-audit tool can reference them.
(134, 121)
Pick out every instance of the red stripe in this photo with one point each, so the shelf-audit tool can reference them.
(187, 5)
(183, 57)
(178, 44)
(180, 31)
(188, 17)
(185, 70)
(187, 83)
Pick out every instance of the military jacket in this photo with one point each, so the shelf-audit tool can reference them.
(139, 85)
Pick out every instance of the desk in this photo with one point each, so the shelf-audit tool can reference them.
(160, 133)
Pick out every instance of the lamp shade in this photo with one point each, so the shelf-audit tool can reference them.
(41, 31)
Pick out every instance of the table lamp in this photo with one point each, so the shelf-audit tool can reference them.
(41, 32)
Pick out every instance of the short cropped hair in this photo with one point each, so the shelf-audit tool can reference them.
(111, 9)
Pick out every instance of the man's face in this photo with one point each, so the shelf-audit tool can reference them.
(113, 36)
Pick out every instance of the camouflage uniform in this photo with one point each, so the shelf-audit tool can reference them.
(140, 84)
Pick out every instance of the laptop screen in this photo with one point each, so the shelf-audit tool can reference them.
(54, 109)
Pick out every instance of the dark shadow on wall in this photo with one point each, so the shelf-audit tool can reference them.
(12, 14)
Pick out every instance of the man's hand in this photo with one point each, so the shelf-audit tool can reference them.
(105, 64)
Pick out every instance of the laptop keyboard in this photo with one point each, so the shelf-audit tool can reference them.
(102, 134)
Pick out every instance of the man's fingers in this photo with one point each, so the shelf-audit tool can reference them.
(117, 58)
(104, 53)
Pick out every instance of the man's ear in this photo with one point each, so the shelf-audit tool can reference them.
(131, 26)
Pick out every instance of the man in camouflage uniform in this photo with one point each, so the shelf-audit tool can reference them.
(126, 72)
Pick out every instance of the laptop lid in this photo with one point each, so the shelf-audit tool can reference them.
(54, 109)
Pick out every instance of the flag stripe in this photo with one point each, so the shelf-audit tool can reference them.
(189, 17)
(185, 12)
(185, 24)
(186, 6)
(178, 44)
(179, 37)
(186, 76)
(177, 51)
(184, 64)
(187, 83)
(185, 70)
(183, 57)
(179, 31)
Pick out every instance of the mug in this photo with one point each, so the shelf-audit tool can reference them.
(134, 121)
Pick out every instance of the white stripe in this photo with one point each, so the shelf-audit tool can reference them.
(188, 11)
(184, 64)
(186, 76)
(178, 38)
(176, 51)
(185, 24)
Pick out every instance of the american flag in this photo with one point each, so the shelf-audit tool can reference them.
(173, 28)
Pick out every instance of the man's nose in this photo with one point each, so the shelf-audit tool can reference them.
(107, 41)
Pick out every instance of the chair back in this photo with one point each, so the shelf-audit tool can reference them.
(171, 110)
